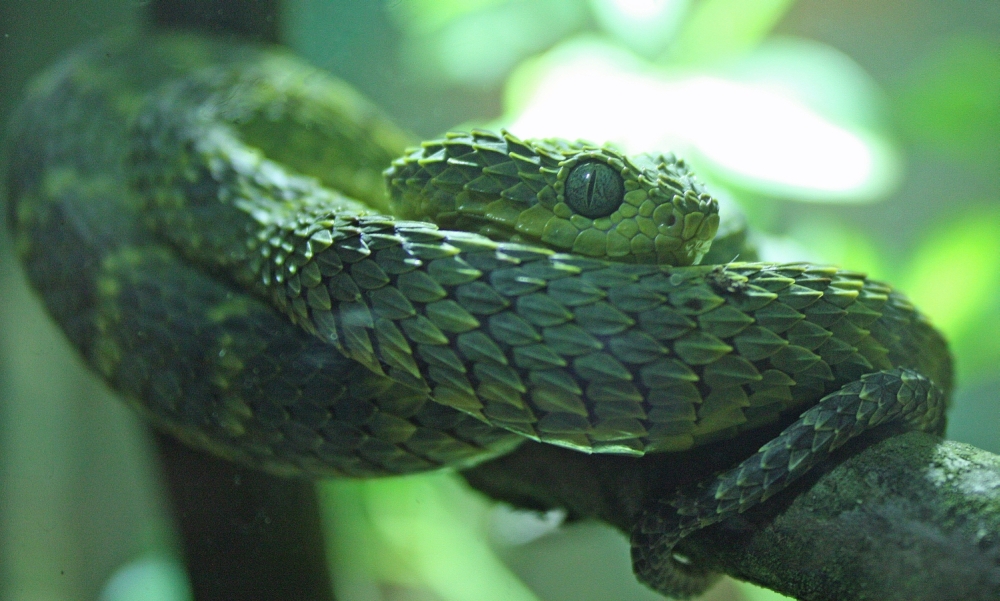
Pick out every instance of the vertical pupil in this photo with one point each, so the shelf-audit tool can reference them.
(594, 189)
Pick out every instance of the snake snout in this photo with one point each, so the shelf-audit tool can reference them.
(685, 227)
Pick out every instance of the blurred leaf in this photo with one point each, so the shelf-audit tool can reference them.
(952, 97)
(352, 548)
(956, 270)
(149, 579)
(754, 135)
(774, 144)
(645, 26)
(978, 350)
(818, 75)
(719, 29)
(430, 15)
(427, 530)
(832, 242)
(756, 593)
(478, 42)
(954, 278)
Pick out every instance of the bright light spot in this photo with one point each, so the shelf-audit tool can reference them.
(640, 9)
(431, 525)
(481, 48)
(645, 26)
(954, 274)
(148, 579)
(756, 136)
(513, 527)
(587, 89)
(765, 137)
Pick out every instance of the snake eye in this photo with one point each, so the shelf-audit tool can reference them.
(594, 190)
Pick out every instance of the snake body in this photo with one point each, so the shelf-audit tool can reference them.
(208, 225)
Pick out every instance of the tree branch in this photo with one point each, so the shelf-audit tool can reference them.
(908, 518)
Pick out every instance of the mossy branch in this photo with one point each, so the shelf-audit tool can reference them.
(909, 518)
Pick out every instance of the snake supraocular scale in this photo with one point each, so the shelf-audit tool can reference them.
(207, 223)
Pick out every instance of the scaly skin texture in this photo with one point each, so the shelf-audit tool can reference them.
(207, 224)
(508, 189)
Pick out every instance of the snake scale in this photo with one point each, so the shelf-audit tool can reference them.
(208, 224)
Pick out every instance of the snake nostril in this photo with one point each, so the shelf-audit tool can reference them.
(671, 220)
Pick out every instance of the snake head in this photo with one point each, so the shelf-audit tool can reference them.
(569, 196)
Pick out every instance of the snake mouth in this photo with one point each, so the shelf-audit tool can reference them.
(494, 229)
(682, 236)
(690, 253)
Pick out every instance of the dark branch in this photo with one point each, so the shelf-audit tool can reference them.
(908, 518)
(245, 534)
(255, 20)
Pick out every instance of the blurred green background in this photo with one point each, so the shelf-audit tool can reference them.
(863, 134)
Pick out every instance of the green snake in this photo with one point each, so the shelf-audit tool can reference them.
(208, 224)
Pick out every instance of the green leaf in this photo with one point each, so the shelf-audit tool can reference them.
(830, 241)
(431, 15)
(718, 29)
(952, 97)
(750, 133)
(756, 593)
(149, 578)
(820, 76)
(954, 278)
(645, 26)
(418, 531)
(955, 273)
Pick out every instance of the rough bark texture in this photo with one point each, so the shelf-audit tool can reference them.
(908, 518)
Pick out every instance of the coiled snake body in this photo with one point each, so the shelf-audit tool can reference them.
(208, 225)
